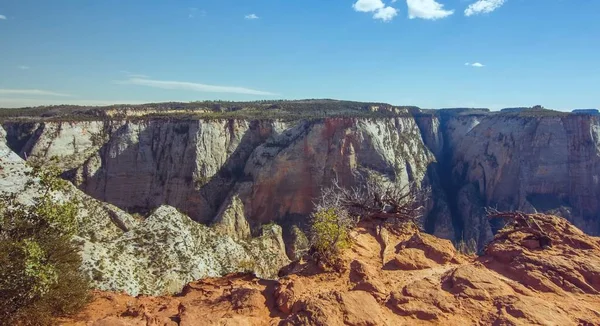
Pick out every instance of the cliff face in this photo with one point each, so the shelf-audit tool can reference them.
(157, 255)
(246, 173)
(276, 170)
(139, 166)
(288, 171)
(549, 164)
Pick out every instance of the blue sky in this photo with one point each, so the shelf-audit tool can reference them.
(404, 52)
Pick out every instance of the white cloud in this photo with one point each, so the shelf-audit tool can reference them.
(251, 16)
(4, 91)
(23, 67)
(164, 84)
(368, 5)
(475, 64)
(483, 7)
(2, 17)
(377, 7)
(386, 14)
(427, 9)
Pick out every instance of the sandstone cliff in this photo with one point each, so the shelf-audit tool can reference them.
(274, 169)
(252, 172)
(156, 255)
(546, 164)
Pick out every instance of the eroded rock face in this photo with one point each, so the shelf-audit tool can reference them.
(545, 164)
(275, 170)
(96, 220)
(155, 255)
(141, 165)
(289, 170)
(168, 250)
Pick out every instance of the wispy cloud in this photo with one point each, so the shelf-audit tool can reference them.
(195, 87)
(483, 7)
(474, 64)
(2, 17)
(23, 67)
(427, 9)
(35, 92)
(377, 7)
(194, 12)
(251, 16)
(132, 75)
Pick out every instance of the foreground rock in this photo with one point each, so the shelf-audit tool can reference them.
(168, 250)
(514, 283)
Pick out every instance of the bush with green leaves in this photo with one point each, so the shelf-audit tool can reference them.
(39, 263)
(330, 234)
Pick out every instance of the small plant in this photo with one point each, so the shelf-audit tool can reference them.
(39, 265)
(330, 233)
(247, 265)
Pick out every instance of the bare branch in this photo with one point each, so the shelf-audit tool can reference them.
(377, 198)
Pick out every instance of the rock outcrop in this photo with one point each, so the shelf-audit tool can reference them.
(514, 283)
(167, 250)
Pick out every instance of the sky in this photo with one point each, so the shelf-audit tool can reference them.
(428, 53)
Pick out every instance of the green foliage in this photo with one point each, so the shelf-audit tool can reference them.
(39, 265)
(330, 233)
(173, 111)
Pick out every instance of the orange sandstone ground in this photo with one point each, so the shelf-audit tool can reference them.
(407, 278)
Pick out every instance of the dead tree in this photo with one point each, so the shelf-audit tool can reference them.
(521, 222)
(377, 198)
(374, 198)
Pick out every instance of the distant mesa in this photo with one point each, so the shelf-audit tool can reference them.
(522, 109)
(586, 111)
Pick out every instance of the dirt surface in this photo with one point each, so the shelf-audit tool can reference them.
(421, 280)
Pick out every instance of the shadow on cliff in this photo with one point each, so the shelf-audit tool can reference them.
(161, 168)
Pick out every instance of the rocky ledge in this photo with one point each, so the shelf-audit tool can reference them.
(406, 277)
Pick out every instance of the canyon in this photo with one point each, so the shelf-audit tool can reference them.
(251, 181)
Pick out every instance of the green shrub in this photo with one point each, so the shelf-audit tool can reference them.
(39, 264)
(330, 233)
